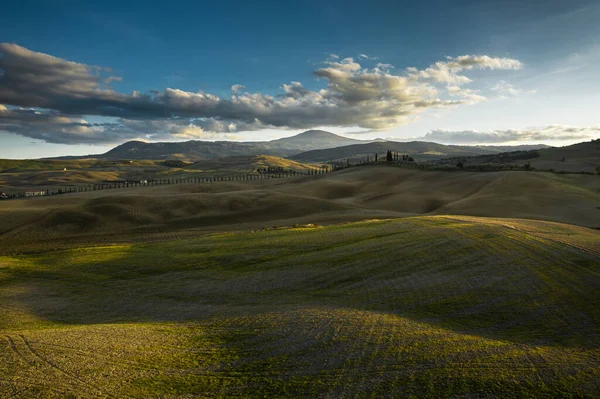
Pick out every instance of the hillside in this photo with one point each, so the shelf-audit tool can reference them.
(44, 174)
(356, 283)
(203, 150)
(150, 213)
(508, 148)
(192, 150)
(419, 150)
(574, 158)
(437, 306)
(313, 139)
(580, 157)
(310, 146)
(248, 164)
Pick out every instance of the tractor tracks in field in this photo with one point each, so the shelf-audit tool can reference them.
(23, 349)
(13, 347)
(131, 364)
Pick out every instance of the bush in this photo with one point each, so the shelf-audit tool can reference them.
(175, 163)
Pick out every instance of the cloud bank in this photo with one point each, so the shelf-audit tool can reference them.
(536, 134)
(50, 97)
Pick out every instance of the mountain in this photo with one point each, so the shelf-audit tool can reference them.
(314, 139)
(201, 150)
(190, 150)
(310, 146)
(419, 150)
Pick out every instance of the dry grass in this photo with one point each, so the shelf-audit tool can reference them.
(166, 212)
(581, 157)
(180, 291)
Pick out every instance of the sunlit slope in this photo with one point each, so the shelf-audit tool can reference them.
(16, 175)
(428, 306)
(250, 164)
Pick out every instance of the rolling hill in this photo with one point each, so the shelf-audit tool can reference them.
(149, 213)
(310, 146)
(580, 157)
(18, 175)
(199, 150)
(435, 306)
(419, 150)
(248, 164)
(574, 158)
(365, 282)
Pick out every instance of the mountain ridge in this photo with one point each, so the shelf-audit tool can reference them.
(298, 147)
(419, 150)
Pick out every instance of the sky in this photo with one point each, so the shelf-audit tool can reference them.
(82, 77)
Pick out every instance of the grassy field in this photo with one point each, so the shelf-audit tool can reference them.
(436, 306)
(575, 158)
(148, 214)
(392, 284)
(18, 175)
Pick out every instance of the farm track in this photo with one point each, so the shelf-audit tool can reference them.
(23, 349)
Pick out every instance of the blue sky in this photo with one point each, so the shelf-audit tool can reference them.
(531, 75)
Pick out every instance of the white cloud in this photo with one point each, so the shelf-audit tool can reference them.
(366, 57)
(353, 96)
(447, 71)
(534, 134)
(383, 66)
(505, 90)
(469, 96)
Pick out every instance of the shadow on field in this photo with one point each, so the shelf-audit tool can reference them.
(470, 278)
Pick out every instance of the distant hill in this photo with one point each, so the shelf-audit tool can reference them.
(247, 164)
(310, 146)
(419, 150)
(201, 150)
(507, 148)
(190, 150)
(314, 139)
(580, 157)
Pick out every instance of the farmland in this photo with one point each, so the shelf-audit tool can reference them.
(438, 306)
(368, 282)
(148, 214)
(18, 175)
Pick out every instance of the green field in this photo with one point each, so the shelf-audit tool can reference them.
(428, 306)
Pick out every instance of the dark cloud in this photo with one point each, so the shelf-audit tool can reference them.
(62, 93)
(55, 127)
